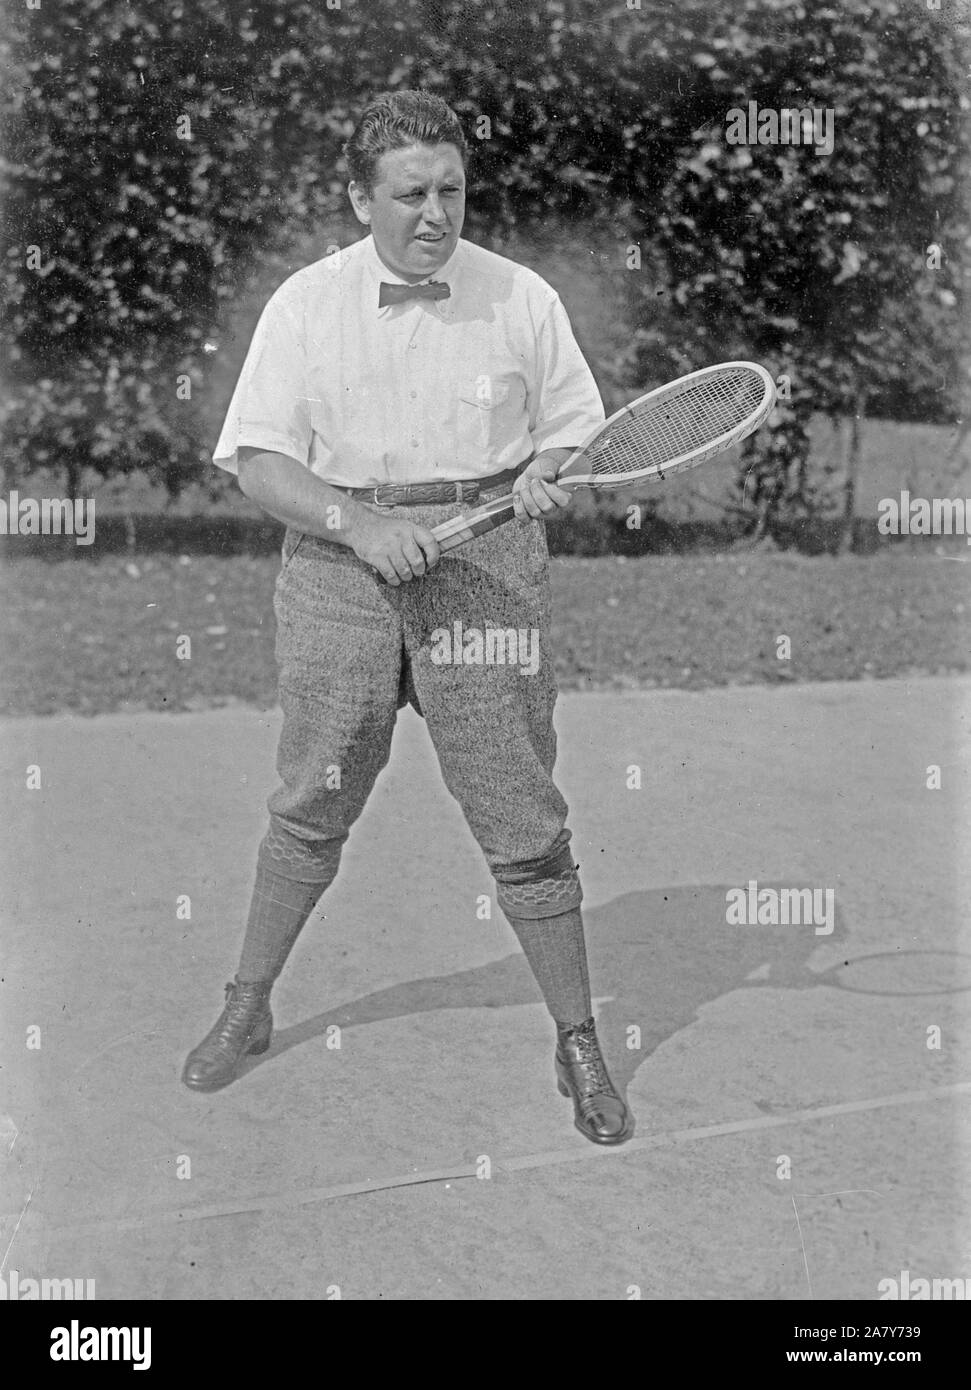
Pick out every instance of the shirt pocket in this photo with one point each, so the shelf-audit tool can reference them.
(492, 409)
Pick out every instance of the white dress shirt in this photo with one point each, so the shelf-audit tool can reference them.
(453, 388)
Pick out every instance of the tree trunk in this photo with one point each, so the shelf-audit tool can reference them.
(851, 474)
(762, 537)
(963, 430)
(73, 481)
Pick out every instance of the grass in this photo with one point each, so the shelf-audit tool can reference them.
(97, 635)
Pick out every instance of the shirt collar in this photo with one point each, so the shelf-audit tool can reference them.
(378, 271)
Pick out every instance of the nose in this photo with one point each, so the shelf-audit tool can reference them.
(433, 212)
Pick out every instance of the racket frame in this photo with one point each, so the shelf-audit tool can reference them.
(451, 534)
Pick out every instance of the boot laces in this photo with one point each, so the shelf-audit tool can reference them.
(595, 1074)
(238, 1017)
(590, 1062)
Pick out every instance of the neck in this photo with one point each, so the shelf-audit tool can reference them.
(405, 275)
(408, 277)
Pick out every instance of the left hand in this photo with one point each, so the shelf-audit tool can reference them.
(535, 490)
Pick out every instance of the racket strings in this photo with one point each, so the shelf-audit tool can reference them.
(669, 428)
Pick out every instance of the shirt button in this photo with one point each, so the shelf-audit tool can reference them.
(414, 443)
(414, 395)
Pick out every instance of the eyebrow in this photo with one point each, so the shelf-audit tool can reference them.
(417, 186)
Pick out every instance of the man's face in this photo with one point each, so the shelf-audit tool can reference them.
(415, 209)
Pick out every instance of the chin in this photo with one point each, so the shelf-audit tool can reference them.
(436, 253)
(421, 260)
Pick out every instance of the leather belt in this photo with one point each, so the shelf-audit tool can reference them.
(431, 494)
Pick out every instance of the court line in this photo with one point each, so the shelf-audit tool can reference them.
(299, 1197)
(20, 1218)
(805, 1257)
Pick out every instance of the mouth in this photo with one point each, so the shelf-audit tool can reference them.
(431, 239)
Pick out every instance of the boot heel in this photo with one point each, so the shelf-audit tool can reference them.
(259, 1045)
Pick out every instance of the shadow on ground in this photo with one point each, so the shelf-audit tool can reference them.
(659, 957)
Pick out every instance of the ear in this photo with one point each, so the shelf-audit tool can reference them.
(360, 202)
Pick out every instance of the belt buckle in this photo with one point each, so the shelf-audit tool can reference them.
(377, 499)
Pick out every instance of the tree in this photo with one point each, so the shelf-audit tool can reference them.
(154, 154)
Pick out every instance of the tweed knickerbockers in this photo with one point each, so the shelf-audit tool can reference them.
(351, 650)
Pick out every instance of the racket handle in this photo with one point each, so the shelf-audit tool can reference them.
(459, 530)
(451, 534)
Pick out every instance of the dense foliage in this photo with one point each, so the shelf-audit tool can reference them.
(155, 152)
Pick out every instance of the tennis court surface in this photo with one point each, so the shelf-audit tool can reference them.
(802, 1094)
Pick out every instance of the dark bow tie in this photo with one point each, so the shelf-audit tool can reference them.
(398, 294)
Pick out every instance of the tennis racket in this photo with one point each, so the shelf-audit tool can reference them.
(670, 429)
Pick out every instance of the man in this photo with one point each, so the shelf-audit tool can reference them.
(387, 387)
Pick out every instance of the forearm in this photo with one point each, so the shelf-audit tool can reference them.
(289, 491)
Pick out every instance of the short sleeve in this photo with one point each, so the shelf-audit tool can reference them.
(565, 405)
(269, 408)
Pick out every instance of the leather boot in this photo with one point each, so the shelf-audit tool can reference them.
(598, 1111)
(244, 1026)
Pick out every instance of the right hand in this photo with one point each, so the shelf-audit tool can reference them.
(398, 549)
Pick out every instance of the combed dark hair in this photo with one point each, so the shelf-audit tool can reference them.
(395, 120)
